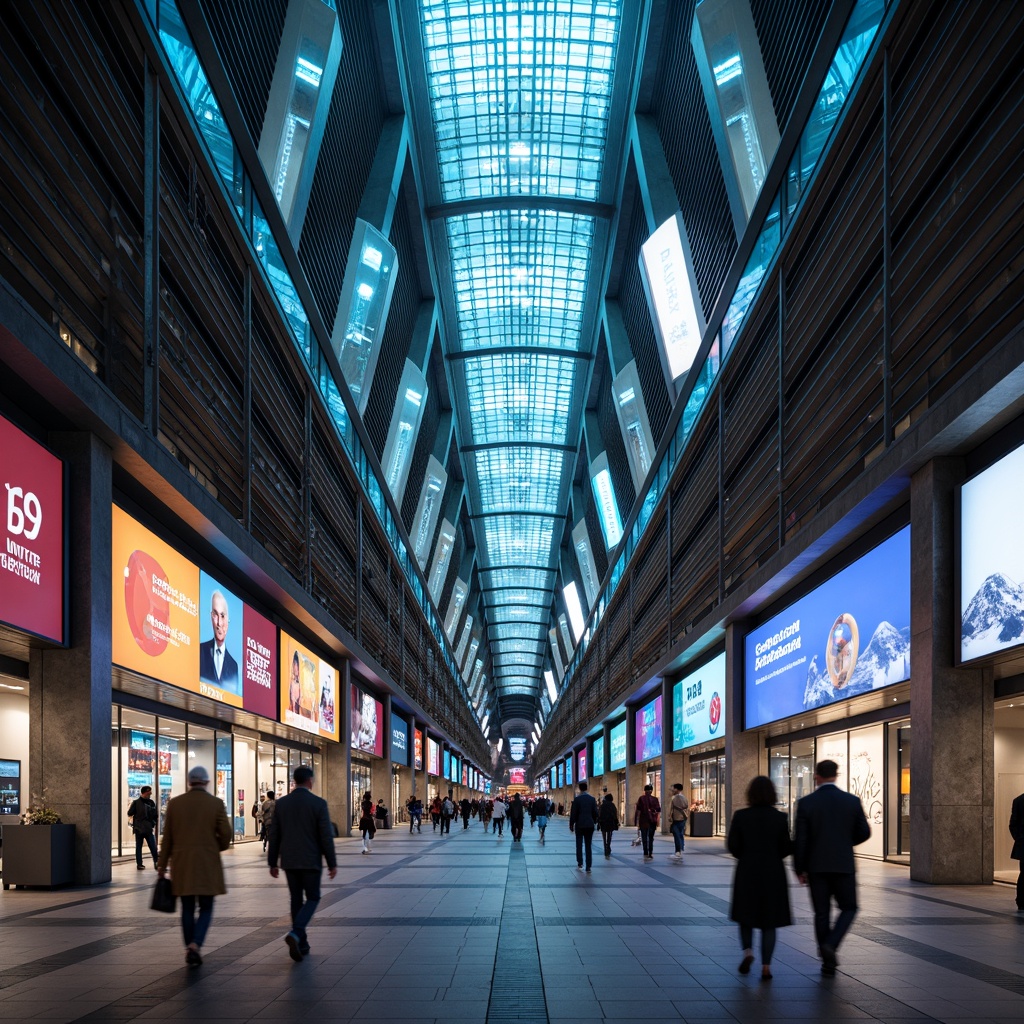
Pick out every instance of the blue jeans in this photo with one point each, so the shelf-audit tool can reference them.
(303, 883)
(678, 834)
(194, 928)
(150, 840)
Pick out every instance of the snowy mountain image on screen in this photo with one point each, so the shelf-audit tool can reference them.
(885, 660)
(994, 618)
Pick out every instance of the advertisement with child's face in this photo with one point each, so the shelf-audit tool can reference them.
(367, 723)
(309, 690)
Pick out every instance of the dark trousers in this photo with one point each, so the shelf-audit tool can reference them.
(498, 825)
(1020, 888)
(194, 928)
(584, 845)
(767, 942)
(606, 835)
(824, 887)
(647, 838)
(150, 840)
(517, 831)
(465, 819)
(446, 823)
(303, 884)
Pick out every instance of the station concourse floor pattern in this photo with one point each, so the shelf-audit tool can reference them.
(471, 928)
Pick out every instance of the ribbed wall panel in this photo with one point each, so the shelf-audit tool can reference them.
(685, 130)
(406, 301)
(248, 36)
(346, 156)
(636, 315)
(788, 32)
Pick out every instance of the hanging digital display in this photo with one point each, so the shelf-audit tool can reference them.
(399, 740)
(309, 690)
(698, 706)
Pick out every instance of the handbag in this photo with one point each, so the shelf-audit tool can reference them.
(163, 897)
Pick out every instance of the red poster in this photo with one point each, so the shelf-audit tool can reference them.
(259, 665)
(32, 560)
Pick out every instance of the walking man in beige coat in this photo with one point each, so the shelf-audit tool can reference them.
(196, 829)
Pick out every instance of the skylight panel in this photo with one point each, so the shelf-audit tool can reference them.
(512, 479)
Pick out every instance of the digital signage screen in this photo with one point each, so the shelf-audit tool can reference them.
(581, 766)
(597, 757)
(848, 636)
(399, 740)
(561, 775)
(698, 706)
(32, 522)
(992, 560)
(465, 775)
(367, 723)
(433, 757)
(554, 778)
(10, 787)
(456, 769)
(568, 770)
(447, 761)
(180, 625)
(617, 760)
(417, 749)
(309, 690)
(648, 731)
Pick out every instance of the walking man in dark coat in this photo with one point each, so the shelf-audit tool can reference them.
(301, 836)
(583, 821)
(829, 824)
(1017, 853)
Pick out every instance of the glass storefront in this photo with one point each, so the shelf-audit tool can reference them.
(791, 768)
(1009, 781)
(898, 845)
(360, 785)
(707, 789)
(158, 751)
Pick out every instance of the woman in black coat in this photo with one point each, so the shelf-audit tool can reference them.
(759, 840)
(608, 821)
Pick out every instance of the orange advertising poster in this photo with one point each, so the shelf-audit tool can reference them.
(309, 689)
(155, 606)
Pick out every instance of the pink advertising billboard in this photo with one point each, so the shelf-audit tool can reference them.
(32, 558)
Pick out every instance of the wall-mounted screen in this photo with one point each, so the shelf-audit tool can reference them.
(433, 757)
(178, 624)
(10, 787)
(446, 770)
(465, 775)
(568, 770)
(597, 757)
(698, 706)
(399, 740)
(309, 690)
(32, 524)
(417, 749)
(581, 766)
(456, 769)
(517, 776)
(648, 731)
(992, 560)
(561, 775)
(367, 724)
(617, 760)
(554, 778)
(848, 636)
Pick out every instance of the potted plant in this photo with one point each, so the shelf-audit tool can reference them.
(41, 850)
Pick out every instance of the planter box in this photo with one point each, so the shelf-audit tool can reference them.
(42, 855)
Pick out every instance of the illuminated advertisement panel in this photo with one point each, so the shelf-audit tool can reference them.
(618, 745)
(32, 556)
(456, 768)
(698, 706)
(848, 636)
(367, 723)
(992, 560)
(517, 776)
(648, 731)
(554, 778)
(433, 757)
(446, 771)
(399, 740)
(597, 757)
(465, 775)
(417, 747)
(568, 770)
(309, 690)
(581, 766)
(561, 775)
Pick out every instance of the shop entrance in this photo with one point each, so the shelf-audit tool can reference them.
(707, 790)
(360, 784)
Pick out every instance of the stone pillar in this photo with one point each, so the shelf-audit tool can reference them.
(952, 713)
(743, 750)
(337, 767)
(70, 689)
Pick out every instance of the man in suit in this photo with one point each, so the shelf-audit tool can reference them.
(829, 824)
(583, 821)
(1017, 853)
(196, 830)
(216, 665)
(302, 838)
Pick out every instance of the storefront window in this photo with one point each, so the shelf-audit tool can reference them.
(707, 790)
(360, 785)
(245, 782)
(899, 789)
(172, 759)
(201, 751)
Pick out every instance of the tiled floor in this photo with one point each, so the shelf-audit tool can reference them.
(410, 934)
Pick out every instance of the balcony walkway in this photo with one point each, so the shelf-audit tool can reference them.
(464, 929)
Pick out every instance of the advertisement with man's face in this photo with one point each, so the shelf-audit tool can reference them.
(367, 723)
(32, 523)
(309, 690)
(849, 636)
(698, 706)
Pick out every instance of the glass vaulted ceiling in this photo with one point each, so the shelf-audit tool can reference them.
(519, 94)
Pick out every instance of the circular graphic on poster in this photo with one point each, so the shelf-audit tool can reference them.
(841, 653)
(714, 713)
(147, 610)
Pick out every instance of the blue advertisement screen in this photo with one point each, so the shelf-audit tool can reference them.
(456, 769)
(446, 764)
(561, 775)
(618, 744)
(648, 731)
(554, 778)
(849, 636)
(399, 740)
(698, 706)
(597, 757)
(568, 770)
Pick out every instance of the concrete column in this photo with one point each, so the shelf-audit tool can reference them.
(337, 764)
(952, 714)
(743, 750)
(69, 691)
